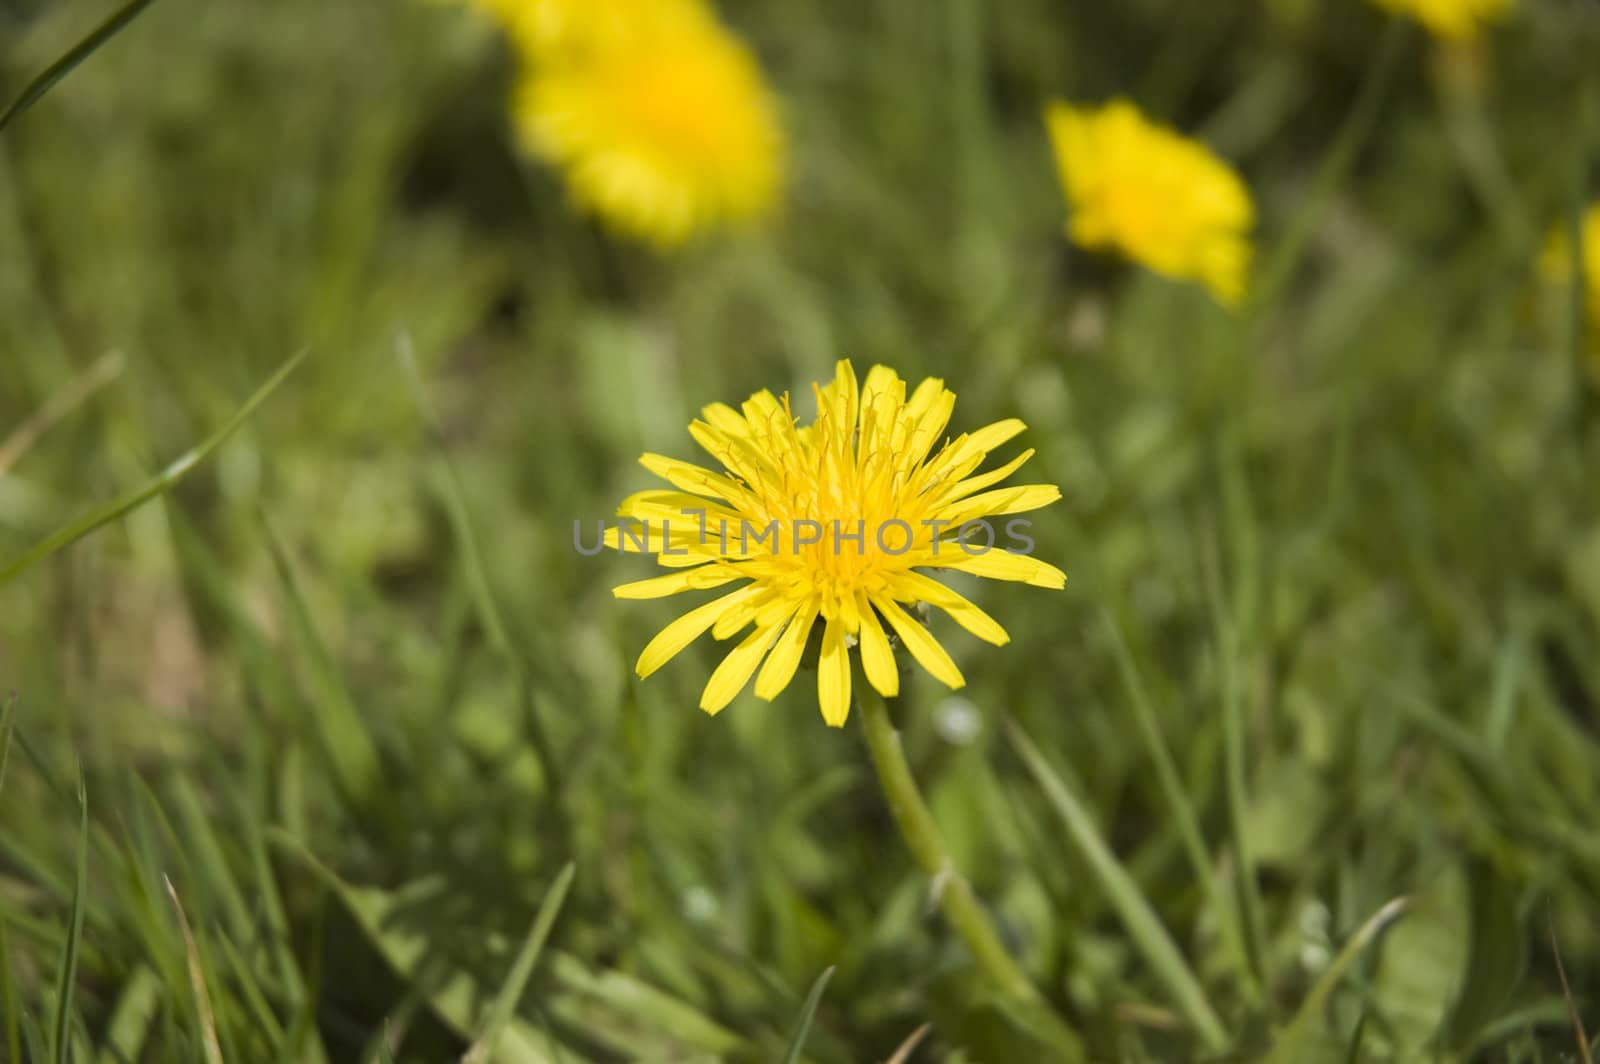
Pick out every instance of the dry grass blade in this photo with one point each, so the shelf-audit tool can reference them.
(105, 369)
(1584, 1052)
(909, 1046)
(197, 979)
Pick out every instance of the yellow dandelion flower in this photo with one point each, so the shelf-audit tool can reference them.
(1158, 197)
(564, 29)
(1556, 265)
(1452, 20)
(831, 524)
(663, 134)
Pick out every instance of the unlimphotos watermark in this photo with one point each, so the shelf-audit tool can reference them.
(893, 537)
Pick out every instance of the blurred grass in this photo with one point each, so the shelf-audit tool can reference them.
(1353, 554)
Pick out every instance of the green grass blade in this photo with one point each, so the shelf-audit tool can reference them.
(132, 1018)
(1233, 757)
(7, 721)
(808, 1012)
(8, 996)
(1285, 1049)
(1143, 925)
(33, 1038)
(1183, 811)
(162, 482)
(505, 1003)
(626, 996)
(47, 78)
(453, 997)
(205, 850)
(455, 502)
(344, 735)
(275, 928)
(67, 977)
(453, 494)
(1347, 143)
(1244, 611)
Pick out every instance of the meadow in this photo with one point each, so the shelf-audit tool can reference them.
(320, 741)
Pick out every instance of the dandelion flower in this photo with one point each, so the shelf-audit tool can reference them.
(1158, 197)
(663, 134)
(1452, 20)
(562, 30)
(830, 524)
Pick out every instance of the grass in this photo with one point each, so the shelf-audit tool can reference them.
(347, 703)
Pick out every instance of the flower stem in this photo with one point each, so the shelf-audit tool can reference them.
(927, 846)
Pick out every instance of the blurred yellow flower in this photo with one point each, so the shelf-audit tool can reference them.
(1156, 196)
(829, 523)
(1453, 20)
(663, 133)
(1556, 265)
(564, 29)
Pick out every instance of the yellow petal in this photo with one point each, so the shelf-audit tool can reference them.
(998, 564)
(833, 676)
(738, 454)
(679, 508)
(989, 437)
(925, 417)
(965, 453)
(960, 489)
(729, 678)
(926, 589)
(726, 418)
(1001, 501)
(765, 415)
(738, 616)
(846, 395)
(785, 656)
(691, 478)
(686, 629)
(923, 646)
(883, 394)
(643, 537)
(877, 656)
(686, 580)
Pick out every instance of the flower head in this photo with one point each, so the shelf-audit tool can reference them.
(1161, 199)
(830, 524)
(663, 132)
(562, 30)
(1453, 20)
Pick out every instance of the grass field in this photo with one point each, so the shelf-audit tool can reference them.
(322, 743)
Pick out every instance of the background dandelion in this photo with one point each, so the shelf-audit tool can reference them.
(1161, 199)
(664, 133)
(1452, 20)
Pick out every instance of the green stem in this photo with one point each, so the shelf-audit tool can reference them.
(927, 846)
